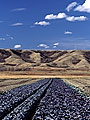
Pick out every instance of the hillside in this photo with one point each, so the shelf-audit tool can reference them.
(26, 59)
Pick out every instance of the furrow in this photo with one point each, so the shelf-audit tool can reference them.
(62, 102)
(11, 99)
(25, 109)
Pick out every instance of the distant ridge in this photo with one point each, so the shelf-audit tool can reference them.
(19, 60)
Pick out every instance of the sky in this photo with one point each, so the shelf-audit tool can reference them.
(45, 24)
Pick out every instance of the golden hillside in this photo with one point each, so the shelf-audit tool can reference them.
(25, 59)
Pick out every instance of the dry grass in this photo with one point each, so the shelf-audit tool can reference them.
(83, 84)
(40, 73)
(8, 84)
(9, 80)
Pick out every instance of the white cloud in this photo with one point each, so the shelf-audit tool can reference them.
(43, 45)
(42, 23)
(11, 38)
(68, 18)
(17, 24)
(71, 5)
(50, 17)
(56, 44)
(84, 8)
(67, 32)
(73, 18)
(19, 9)
(2, 38)
(59, 16)
(17, 46)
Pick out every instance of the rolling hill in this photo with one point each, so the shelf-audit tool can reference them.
(11, 59)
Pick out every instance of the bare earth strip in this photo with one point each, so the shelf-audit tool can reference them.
(9, 80)
(83, 84)
(8, 84)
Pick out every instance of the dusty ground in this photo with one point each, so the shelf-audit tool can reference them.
(79, 79)
(27, 66)
(83, 84)
(7, 84)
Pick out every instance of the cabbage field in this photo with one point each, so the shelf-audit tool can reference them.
(47, 99)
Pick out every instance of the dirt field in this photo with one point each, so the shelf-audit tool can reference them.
(7, 84)
(83, 84)
(9, 80)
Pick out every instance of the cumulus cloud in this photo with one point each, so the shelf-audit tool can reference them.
(71, 5)
(1, 38)
(17, 46)
(10, 38)
(51, 16)
(73, 18)
(19, 9)
(59, 16)
(43, 46)
(84, 8)
(42, 23)
(63, 15)
(56, 44)
(67, 33)
(17, 24)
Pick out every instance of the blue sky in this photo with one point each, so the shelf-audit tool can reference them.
(45, 24)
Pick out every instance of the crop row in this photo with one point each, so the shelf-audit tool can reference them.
(11, 99)
(25, 109)
(62, 102)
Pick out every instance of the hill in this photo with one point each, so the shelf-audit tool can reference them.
(19, 60)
